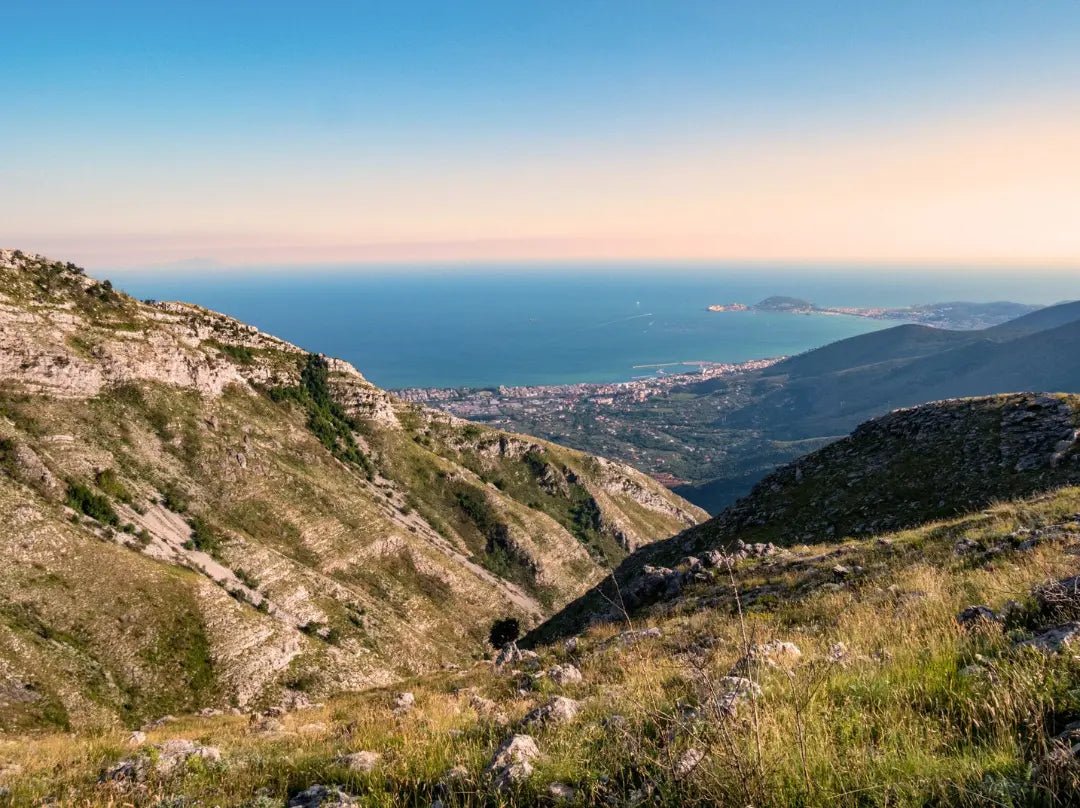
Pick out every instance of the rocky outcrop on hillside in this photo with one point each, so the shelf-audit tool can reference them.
(905, 469)
(266, 516)
(915, 465)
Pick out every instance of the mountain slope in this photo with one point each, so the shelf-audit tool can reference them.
(202, 514)
(899, 471)
(926, 667)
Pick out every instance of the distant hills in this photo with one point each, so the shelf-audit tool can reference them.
(829, 390)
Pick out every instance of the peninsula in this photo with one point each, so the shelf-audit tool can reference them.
(957, 315)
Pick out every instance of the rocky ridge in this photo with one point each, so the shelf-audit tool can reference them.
(265, 518)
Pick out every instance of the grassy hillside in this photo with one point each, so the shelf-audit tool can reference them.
(896, 472)
(858, 689)
(202, 515)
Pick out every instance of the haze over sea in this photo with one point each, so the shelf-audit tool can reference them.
(449, 327)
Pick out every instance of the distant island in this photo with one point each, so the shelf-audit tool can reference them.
(956, 315)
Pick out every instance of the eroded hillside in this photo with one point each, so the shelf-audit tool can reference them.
(931, 666)
(197, 514)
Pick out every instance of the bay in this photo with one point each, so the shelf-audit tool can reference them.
(451, 327)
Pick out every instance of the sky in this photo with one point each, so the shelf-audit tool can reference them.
(178, 135)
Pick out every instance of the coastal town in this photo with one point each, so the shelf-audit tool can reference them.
(513, 401)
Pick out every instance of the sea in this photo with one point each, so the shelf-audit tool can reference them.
(447, 326)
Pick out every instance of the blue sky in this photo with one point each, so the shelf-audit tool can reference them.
(137, 134)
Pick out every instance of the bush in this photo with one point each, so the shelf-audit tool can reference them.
(202, 537)
(110, 484)
(504, 631)
(82, 499)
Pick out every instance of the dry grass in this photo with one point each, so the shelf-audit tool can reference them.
(901, 719)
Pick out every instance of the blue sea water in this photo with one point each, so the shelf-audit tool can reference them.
(440, 327)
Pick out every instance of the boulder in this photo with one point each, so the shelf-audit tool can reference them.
(1057, 638)
(560, 710)
(838, 654)
(974, 616)
(733, 691)
(775, 654)
(560, 792)
(363, 762)
(512, 763)
(636, 635)
(508, 656)
(688, 761)
(320, 796)
(404, 702)
(565, 675)
(163, 759)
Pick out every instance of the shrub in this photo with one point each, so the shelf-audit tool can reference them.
(202, 537)
(504, 631)
(327, 419)
(82, 499)
(110, 484)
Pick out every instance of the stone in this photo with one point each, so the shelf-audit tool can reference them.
(565, 675)
(158, 722)
(163, 759)
(1057, 638)
(456, 774)
(734, 690)
(364, 762)
(966, 547)
(560, 710)
(173, 754)
(688, 761)
(561, 792)
(508, 656)
(713, 559)
(631, 637)
(974, 616)
(404, 702)
(776, 653)
(838, 654)
(320, 796)
(136, 738)
(512, 762)
(265, 723)
(530, 660)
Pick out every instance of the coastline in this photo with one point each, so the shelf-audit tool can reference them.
(484, 402)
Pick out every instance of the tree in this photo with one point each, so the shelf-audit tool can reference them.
(504, 632)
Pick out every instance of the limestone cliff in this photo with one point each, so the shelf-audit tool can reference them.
(197, 513)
